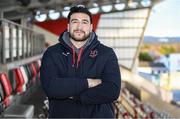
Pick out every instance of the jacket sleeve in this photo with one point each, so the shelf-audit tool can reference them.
(56, 86)
(109, 90)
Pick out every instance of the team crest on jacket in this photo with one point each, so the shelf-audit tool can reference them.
(93, 53)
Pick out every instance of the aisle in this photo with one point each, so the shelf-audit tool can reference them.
(37, 99)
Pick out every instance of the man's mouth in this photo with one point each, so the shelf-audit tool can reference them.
(78, 31)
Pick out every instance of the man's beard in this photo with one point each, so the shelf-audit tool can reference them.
(85, 37)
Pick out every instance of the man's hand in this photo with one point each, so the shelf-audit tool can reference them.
(93, 82)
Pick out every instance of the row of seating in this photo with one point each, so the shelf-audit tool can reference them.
(131, 107)
(26, 76)
(21, 80)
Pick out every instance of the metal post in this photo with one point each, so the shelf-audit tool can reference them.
(3, 43)
(1, 36)
(141, 38)
(1, 14)
(31, 44)
(23, 43)
(37, 42)
(11, 42)
(27, 43)
(34, 48)
(17, 43)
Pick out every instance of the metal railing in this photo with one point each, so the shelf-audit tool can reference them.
(18, 42)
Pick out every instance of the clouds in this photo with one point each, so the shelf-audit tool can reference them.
(164, 19)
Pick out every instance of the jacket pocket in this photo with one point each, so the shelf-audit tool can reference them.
(103, 111)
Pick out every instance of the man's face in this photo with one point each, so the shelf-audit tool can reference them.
(79, 26)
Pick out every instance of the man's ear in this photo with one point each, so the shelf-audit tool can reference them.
(68, 27)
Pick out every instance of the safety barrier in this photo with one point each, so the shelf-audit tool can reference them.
(18, 42)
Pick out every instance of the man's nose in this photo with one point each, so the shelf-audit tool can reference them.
(79, 26)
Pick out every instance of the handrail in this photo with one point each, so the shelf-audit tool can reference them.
(15, 24)
(18, 42)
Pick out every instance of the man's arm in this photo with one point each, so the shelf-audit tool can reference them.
(56, 86)
(109, 89)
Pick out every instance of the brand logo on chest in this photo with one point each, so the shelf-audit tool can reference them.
(65, 54)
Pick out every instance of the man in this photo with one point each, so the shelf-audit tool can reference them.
(80, 75)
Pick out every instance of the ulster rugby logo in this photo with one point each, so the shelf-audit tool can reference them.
(93, 53)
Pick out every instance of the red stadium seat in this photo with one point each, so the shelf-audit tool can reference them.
(7, 88)
(22, 68)
(20, 81)
(33, 68)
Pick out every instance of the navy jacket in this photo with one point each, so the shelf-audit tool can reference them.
(64, 78)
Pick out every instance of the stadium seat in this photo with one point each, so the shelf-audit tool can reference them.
(7, 107)
(7, 89)
(20, 81)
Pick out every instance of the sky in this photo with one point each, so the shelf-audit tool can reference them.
(164, 19)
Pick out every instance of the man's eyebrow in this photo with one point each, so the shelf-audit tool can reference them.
(82, 20)
(73, 20)
(85, 20)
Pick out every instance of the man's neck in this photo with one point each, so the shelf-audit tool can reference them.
(78, 44)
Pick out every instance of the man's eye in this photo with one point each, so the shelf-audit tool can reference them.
(85, 22)
(74, 21)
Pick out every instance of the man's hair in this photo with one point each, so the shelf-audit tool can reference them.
(79, 9)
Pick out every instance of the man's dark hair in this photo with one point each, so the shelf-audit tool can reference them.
(79, 9)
